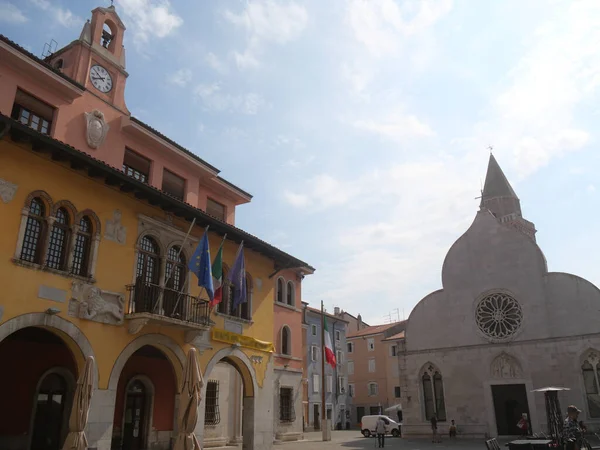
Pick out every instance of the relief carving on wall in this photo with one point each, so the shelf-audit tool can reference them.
(91, 303)
(96, 128)
(7, 190)
(115, 231)
(505, 366)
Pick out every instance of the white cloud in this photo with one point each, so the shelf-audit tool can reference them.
(180, 78)
(63, 16)
(396, 127)
(534, 114)
(150, 18)
(382, 25)
(11, 14)
(295, 199)
(215, 63)
(408, 214)
(214, 99)
(267, 21)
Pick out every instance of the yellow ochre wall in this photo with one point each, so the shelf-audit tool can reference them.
(115, 263)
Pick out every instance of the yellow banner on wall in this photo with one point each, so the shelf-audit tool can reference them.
(243, 341)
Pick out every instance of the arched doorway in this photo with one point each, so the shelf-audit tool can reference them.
(146, 401)
(228, 400)
(38, 389)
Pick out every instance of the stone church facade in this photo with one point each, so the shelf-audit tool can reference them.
(507, 326)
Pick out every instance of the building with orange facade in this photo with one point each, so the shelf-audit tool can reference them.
(373, 370)
(100, 216)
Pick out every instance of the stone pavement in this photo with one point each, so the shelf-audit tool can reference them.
(353, 440)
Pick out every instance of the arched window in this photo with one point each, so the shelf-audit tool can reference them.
(280, 290)
(82, 248)
(57, 246)
(433, 394)
(286, 341)
(590, 371)
(33, 239)
(176, 260)
(291, 293)
(148, 262)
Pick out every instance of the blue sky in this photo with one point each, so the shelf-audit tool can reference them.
(362, 126)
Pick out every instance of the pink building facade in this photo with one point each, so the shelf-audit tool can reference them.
(85, 82)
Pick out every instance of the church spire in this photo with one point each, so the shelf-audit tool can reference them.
(496, 184)
(500, 199)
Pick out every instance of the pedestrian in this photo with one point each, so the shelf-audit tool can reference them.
(400, 422)
(434, 430)
(452, 429)
(523, 424)
(572, 433)
(380, 430)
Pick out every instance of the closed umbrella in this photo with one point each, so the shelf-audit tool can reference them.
(76, 439)
(189, 401)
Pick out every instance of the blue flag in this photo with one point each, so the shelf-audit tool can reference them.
(237, 278)
(200, 266)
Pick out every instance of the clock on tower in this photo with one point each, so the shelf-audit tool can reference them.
(97, 59)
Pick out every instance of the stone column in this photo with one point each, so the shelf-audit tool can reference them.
(71, 247)
(100, 420)
(250, 441)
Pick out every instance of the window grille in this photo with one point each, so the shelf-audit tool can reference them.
(81, 252)
(212, 416)
(33, 240)
(57, 248)
(286, 405)
(136, 166)
(147, 264)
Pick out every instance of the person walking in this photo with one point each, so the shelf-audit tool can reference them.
(572, 433)
(452, 429)
(380, 430)
(434, 430)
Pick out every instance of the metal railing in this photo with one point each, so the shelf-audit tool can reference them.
(165, 302)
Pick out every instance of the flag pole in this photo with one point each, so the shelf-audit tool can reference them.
(323, 387)
(221, 245)
(187, 235)
(178, 254)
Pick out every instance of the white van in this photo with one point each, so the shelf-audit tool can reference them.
(368, 426)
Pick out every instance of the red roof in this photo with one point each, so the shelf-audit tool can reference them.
(395, 337)
(331, 316)
(376, 329)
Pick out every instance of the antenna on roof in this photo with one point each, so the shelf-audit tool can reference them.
(49, 48)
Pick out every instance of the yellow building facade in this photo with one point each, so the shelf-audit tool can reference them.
(94, 263)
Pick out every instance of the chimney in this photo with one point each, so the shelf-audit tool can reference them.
(358, 322)
(336, 311)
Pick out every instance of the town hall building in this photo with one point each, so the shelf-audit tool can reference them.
(501, 326)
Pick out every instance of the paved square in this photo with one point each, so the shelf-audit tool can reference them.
(354, 440)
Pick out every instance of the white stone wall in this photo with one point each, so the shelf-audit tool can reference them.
(228, 430)
(468, 376)
(288, 431)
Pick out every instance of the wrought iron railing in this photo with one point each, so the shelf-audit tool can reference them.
(165, 302)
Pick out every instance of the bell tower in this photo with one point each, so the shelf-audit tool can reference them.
(500, 199)
(97, 59)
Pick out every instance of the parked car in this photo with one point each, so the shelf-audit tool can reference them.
(368, 424)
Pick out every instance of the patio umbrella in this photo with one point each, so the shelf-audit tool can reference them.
(554, 416)
(189, 401)
(76, 439)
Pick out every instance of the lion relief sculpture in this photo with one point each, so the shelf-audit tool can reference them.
(92, 303)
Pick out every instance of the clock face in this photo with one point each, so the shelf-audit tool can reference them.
(100, 78)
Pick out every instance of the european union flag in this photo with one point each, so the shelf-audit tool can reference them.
(200, 266)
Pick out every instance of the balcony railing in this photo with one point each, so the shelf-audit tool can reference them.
(163, 302)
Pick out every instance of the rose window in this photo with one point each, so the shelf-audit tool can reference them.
(498, 316)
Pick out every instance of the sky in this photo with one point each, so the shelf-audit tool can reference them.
(362, 127)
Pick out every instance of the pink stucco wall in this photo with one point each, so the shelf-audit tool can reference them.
(292, 317)
(19, 71)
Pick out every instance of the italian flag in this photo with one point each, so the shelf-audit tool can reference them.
(217, 274)
(329, 354)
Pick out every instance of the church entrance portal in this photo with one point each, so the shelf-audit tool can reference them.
(510, 401)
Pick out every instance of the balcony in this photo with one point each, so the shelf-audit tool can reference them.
(153, 304)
